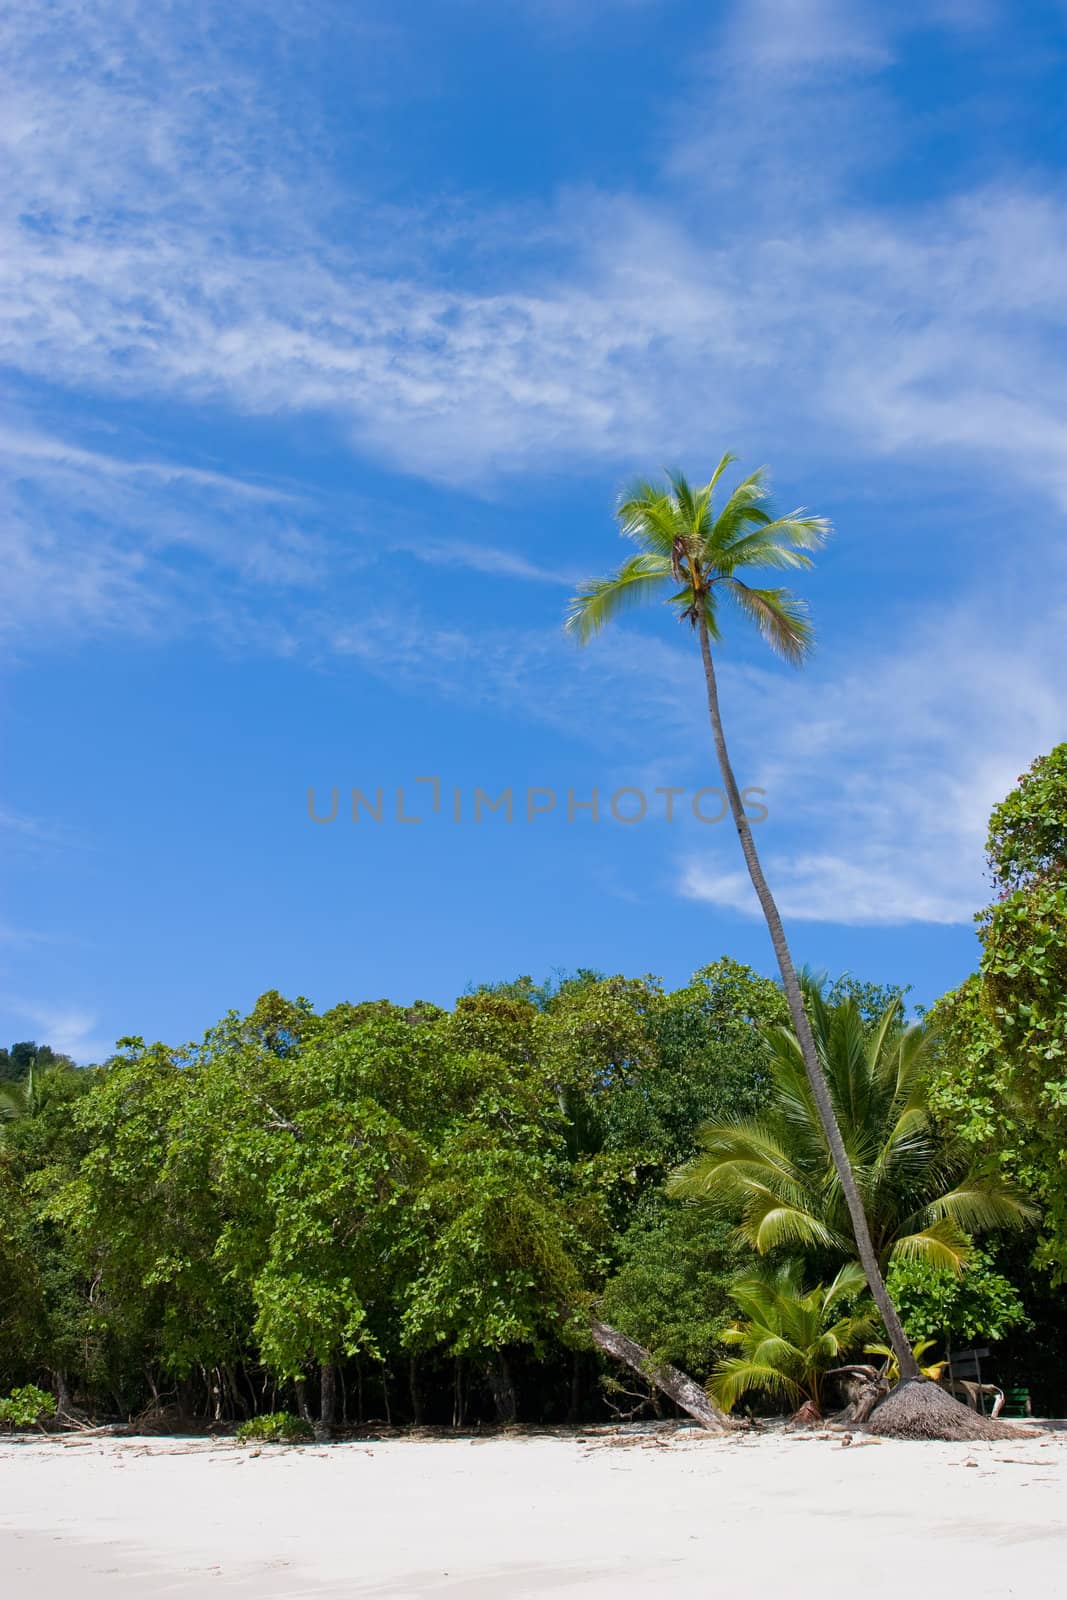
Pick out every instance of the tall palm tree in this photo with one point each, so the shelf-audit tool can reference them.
(790, 1338)
(922, 1194)
(685, 544)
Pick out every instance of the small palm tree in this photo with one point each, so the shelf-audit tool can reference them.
(920, 1349)
(922, 1195)
(688, 547)
(790, 1338)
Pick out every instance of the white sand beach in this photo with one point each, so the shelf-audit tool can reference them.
(679, 1514)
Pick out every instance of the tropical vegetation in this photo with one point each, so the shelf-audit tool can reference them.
(790, 1337)
(407, 1214)
(925, 1193)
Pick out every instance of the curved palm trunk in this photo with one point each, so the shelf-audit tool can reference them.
(819, 1088)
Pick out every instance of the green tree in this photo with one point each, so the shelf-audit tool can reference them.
(1001, 1072)
(1024, 972)
(956, 1307)
(21, 1295)
(923, 1194)
(685, 544)
(789, 1337)
(1027, 840)
(671, 1287)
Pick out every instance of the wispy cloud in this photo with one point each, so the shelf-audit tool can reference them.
(930, 328)
(488, 559)
(881, 777)
(826, 888)
(95, 542)
(26, 938)
(884, 778)
(798, 35)
(22, 830)
(23, 450)
(68, 1029)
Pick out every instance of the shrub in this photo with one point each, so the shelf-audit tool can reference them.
(27, 1406)
(275, 1427)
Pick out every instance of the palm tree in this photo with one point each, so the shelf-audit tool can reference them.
(790, 1338)
(922, 1195)
(28, 1096)
(688, 546)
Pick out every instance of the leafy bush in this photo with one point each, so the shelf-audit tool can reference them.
(25, 1407)
(935, 1303)
(275, 1427)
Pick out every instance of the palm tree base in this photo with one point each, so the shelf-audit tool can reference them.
(918, 1408)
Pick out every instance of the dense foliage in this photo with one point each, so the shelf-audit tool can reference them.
(1002, 1079)
(378, 1212)
(924, 1192)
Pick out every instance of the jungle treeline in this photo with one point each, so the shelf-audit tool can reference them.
(408, 1215)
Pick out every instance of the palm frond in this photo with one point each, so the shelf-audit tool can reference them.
(602, 599)
(941, 1244)
(980, 1202)
(650, 518)
(850, 1281)
(735, 1376)
(727, 459)
(743, 509)
(14, 1101)
(775, 542)
(787, 1225)
(780, 616)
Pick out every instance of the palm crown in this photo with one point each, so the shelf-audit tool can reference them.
(922, 1195)
(687, 545)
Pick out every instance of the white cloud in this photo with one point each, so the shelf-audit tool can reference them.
(908, 338)
(825, 888)
(92, 541)
(21, 448)
(68, 1029)
(28, 832)
(160, 242)
(25, 938)
(798, 35)
(485, 558)
(884, 776)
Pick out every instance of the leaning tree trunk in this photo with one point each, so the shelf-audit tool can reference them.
(676, 1385)
(819, 1088)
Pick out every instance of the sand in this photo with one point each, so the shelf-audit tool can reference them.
(677, 1514)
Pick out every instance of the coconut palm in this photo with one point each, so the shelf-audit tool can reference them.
(692, 555)
(923, 1197)
(789, 1337)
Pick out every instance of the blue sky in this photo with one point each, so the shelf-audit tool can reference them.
(329, 335)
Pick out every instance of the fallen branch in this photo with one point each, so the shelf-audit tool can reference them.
(676, 1385)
